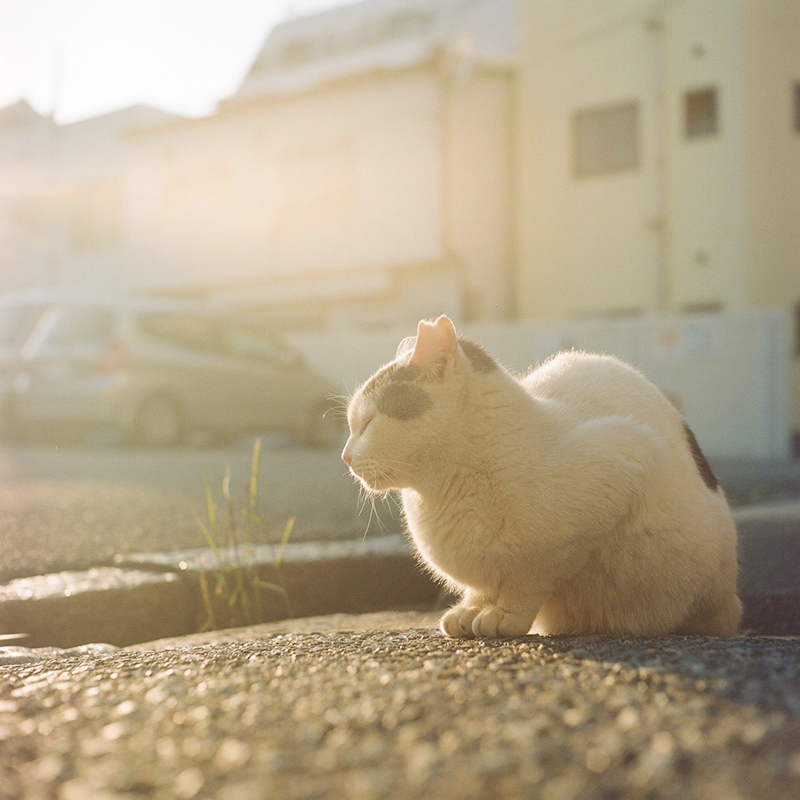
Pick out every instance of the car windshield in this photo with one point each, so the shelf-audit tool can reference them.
(81, 326)
(244, 341)
(16, 322)
(196, 332)
(210, 334)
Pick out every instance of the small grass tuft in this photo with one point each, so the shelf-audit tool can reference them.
(232, 590)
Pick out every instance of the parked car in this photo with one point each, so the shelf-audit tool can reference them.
(19, 313)
(156, 369)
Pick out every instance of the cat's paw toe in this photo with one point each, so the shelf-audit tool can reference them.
(495, 621)
(457, 622)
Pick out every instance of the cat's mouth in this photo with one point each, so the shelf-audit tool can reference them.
(372, 480)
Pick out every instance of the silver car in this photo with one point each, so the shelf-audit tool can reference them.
(157, 369)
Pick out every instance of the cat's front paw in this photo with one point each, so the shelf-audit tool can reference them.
(494, 621)
(457, 622)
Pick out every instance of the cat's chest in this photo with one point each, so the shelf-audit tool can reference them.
(457, 537)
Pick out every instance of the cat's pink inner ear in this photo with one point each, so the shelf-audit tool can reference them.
(435, 341)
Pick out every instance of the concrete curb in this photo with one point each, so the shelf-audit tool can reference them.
(152, 596)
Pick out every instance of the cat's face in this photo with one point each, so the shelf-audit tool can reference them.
(387, 419)
(399, 411)
(405, 418)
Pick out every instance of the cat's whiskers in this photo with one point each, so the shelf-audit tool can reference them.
(370, 497)
(397, 469)
(338, 408)
(363, 498)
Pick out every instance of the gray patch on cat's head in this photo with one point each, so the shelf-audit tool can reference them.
(403, 401)
(478, 358)
(397, 391)
(397, 371)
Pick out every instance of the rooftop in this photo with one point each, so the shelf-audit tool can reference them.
(374, 35)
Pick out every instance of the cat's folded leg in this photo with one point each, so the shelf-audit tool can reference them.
(496, 621)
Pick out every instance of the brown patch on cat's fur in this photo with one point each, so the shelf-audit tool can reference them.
(703, 467)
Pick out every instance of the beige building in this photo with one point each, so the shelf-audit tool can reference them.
(362, 175)
(379, 163)
(659, 157)
(27, 142)
(67, 198)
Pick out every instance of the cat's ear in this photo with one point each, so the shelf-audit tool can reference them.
(406, 346)
(436, 348)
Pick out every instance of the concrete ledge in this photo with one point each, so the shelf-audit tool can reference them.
(153, 596)
(101, 605)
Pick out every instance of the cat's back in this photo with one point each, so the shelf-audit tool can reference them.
(592, 385)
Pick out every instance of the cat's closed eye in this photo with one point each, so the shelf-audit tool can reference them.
(365, 424)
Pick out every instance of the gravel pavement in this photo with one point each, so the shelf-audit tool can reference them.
(392, 709)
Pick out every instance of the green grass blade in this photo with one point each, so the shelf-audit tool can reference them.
(211, 621)
(254, 470)
(287, 532)
(273, 587)
(208, 537)
(211, 506)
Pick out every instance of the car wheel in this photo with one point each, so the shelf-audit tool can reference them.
(159, 422)
(12, 429)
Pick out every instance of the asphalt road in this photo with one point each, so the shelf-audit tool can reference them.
(79, 506)
(71, 507)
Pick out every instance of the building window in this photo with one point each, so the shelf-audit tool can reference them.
(606, 140)
(701, 113)
(797, 107)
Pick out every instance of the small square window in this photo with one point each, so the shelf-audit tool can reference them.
(701, 113)
(606, 139)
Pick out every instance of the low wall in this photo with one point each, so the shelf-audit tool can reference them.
(729, 373)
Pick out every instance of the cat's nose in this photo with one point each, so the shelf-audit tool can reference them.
(347, 458)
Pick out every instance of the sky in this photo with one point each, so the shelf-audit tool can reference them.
(81, 58)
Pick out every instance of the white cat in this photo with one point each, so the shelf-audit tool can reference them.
(575, 500)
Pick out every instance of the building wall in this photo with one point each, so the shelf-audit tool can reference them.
(187, 222)
(710, 240)
(478, 131)
(726, 372)
(361, 175)
(379, 198)
(772, 53)
(341, 180)
(773, 141)
(27, 206)
(703, 221)
(586, 244)
(708, 218)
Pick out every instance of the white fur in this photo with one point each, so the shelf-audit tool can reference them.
(565, 502)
